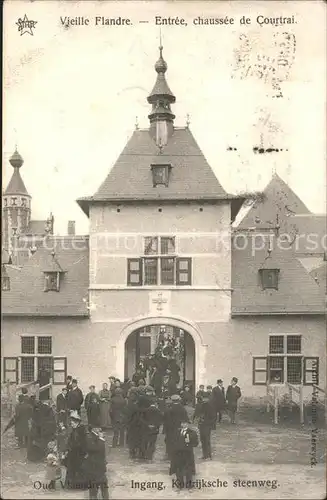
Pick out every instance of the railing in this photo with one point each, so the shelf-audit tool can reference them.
(10, 391)
(8, 397)
(273, 401)
(298, 399)
(44, 388)
(319, 389)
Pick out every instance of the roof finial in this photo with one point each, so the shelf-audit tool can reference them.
(136, 122)
(160, 41)
(15, 133)
(188, 121)
(161, 65)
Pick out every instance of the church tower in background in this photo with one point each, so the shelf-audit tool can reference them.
(20, 234)
(16, 205)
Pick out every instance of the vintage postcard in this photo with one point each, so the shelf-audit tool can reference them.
(164, 250)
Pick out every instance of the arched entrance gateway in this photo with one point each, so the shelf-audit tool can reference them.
(168, 346)
(163, 350)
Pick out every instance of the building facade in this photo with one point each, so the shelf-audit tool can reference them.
(172, 258)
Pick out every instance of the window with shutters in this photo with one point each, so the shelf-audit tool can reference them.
(311, 371)
(134, 272)
(259, 370)
(10, 370)
(159, 264)
(285, 363)
(37, 356)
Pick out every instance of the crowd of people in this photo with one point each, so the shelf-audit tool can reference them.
(136, 414)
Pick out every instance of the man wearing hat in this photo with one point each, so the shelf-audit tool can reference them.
(118, 417)
(172, 421)
(218, 399)
(69, 383)
(75, 397)
(75, 455)
(182, 455)
(233, 394)
(150, 420)
(95, 464)
(92, 407)
(132, 424)
(61, 406)
(206, 416)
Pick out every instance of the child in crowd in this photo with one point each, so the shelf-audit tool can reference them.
(199, 395)
(209, 390)
(62, 439)
(53, 469)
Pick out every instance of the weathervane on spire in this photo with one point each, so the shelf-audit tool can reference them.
(188, 121)
(136, 122)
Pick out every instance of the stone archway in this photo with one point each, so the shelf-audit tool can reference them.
(189, 327)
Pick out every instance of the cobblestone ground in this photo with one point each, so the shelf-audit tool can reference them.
(241, 452)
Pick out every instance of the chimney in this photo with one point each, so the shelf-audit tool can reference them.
(71, 228)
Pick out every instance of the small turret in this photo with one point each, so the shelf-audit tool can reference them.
(161, 117)
(16, 204)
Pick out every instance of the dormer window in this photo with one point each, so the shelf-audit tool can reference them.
(160, 175)
(52, 273)
(269, 278)
(52, 282)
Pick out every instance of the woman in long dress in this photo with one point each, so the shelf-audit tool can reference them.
(104, 395)
(75, 455)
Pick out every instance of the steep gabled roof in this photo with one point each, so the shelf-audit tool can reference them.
(27, 297)
(130, 178)
(278, 199)
(311, 230)
(297, 293)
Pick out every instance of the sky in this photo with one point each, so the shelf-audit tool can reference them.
(71, 96)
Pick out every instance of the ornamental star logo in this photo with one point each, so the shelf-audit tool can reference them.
(26, 26)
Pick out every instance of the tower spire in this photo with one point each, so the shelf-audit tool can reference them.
(17, 204)
(16, 184)
(161, 117)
